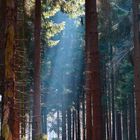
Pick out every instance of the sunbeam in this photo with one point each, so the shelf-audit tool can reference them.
(66, 61)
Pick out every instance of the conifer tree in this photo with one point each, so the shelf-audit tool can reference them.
(37, 61)
(93, 89)
(8, 124)
(136, 30)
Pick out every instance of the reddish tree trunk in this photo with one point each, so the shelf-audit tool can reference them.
(83, 117)
(2, 42)
(37, 59)
(92, 73)
(89, 74)
(10, 129)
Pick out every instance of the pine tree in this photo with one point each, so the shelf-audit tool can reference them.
(136, 27)
(37, 62)
(8, 120)
(93, 89)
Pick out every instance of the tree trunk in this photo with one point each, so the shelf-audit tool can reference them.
(2, 46)
(132, 133)
(88, 116)
(73, 125)
(69, 123)
(118, 123)
(58, 125)
(113, 101)
(137, 61)
(43, 119)
(37, 59)
(93, 73)
(78, 120)
(89, 75)
(63, 121)
(125, 127)
(10, 127)
(83, 117)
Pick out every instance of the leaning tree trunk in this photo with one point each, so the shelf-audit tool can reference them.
(37, 59)
(92, 71)
(137, 61)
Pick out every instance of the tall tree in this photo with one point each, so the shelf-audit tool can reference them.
(89, 75)
(93, 89)
(8, 120)
(2, 46)
(136, 27)
(37, 59)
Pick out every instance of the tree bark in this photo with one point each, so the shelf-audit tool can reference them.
(9, 129)
(132, 133)
(136, 29)
(37, 59)
(93, 73)
(2, 42)
(83, 116)
(118, 123)
(78, 119)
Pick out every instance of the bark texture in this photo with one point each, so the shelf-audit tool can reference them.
(93, 89)
(9, 129)
(37, 59)
(137, 61)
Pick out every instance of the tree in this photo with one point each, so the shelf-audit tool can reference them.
(115, 31)
(9, 118)
(37, 60)
(136, 62)
(93, 89)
